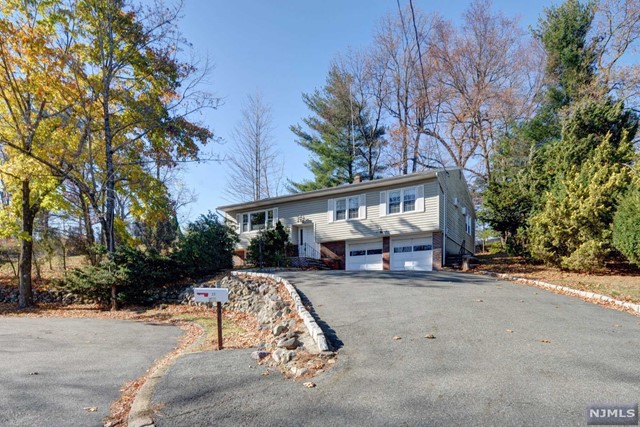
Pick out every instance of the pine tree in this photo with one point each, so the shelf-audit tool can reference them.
(339, 136)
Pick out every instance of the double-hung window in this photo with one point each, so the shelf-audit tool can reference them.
(409, 199)
(469, 224)
(347, 208)
(402, 200)
(245, 223)
(341, 209)
(354, 207)
(394, 201)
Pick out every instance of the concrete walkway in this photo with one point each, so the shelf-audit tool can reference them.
(52, 369)
(504, 354)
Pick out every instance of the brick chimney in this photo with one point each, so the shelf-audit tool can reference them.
(357, 179)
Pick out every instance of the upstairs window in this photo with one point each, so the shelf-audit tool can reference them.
(394, 201)
(347, 208)
(258, 220)
(403, 200)
(409, 200)
(354, 207)
(469, 224)
(341, 209)
(255, 221)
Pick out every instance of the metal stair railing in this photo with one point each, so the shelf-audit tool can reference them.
(308, 251)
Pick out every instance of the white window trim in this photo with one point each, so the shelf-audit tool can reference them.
(266, 217)
(362, 206)
(402, 190)
(469, 224)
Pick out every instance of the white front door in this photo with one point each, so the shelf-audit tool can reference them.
(412, 254)
(364, 256)
(306, 242)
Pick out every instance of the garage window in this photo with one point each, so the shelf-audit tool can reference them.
(420, 248)
(374, 252)
(401, 249)
(357, 253)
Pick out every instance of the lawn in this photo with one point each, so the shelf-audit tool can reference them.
(617, 281)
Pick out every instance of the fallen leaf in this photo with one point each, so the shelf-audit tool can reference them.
(309, 384)
(479, 300)
(90, 409)
(397, 338)
(521, 300)
(545, 341)
(510, 331)
(265, 373)
(33, 373)
(430, 337)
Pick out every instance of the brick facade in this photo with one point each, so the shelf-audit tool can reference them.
(386, 259)
(335, 250)
(437, 250)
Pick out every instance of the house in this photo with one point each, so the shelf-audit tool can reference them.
(395, 223)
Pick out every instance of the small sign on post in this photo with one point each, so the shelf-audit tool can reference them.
(217, 295)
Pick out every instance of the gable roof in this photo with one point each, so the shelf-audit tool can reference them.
(347, 188)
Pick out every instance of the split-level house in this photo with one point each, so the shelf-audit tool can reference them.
(408, 222)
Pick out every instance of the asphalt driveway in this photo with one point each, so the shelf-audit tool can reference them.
(52, 369)
(504, 354)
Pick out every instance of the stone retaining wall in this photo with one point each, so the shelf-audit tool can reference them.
(314, 330)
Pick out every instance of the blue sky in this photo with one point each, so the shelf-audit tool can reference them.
(283, 49)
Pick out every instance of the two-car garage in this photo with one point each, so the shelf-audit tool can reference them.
(406, 253)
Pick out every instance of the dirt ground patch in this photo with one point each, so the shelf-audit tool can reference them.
(617, 281)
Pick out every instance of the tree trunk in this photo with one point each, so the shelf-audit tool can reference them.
(88, 229)
(25, 298)
(110, 207)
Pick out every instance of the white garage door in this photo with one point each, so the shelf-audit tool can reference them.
(364, 256)
(412, 254)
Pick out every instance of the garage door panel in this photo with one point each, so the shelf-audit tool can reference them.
(365, 256)
(412, 254)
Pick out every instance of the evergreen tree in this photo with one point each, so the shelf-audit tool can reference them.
(339, 135)
(574, 228)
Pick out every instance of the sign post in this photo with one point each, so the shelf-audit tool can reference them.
(210, 295)
(219, 325)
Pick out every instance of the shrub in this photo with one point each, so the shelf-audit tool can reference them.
(94, 282)
(626, 226)
(134, 272)
(207, 247)
(275, 243)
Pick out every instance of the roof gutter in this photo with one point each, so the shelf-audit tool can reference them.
(331, 191)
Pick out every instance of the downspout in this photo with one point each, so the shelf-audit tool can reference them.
(444, 226)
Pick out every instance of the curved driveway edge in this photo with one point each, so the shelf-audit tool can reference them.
(504, 354)
(312, 326)
(589, 296)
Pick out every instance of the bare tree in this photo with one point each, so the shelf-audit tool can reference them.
(487, 74)
(367, 109)
(256, 166)
(617, 32)
(396, 55)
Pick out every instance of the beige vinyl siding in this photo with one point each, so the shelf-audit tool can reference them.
(456, 226)
(315, 211)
